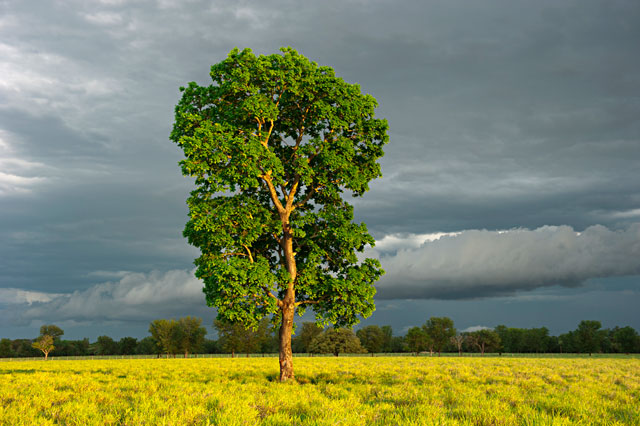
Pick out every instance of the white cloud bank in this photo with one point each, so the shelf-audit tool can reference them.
(135, 297)
(462, 265)
(479, 263)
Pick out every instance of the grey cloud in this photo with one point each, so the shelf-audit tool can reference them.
(474, 264)
(503, 114)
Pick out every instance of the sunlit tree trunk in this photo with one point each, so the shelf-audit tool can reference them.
(286, 329)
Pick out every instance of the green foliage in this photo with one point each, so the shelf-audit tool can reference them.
(372, 338)
(238, 338)
(388, 337)
(305, 336)
(417, 339)
(167, 335)
(147, 346)
(210, 346)
(336, 341)
(127, 346)
(524, 340)
(485, 340)
(626, 340)
(5, 348)
(51, 330)
(105, 345)
(440, 331)
(273, 144)
(45, 344)
(191, 334)
(588, 336)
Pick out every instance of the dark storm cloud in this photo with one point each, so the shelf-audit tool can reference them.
(503, 114)
(476, 264)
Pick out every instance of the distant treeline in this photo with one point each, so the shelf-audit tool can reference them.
(438, 334)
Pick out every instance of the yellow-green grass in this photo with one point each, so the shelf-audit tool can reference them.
(328, 391)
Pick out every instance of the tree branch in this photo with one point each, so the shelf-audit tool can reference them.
(249, 252)
(310, 302)
(272, 192)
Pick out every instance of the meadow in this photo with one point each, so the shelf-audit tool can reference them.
(328, 391)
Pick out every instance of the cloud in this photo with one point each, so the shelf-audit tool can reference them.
(16, 296)
(480, 263)
(475, 328)
(135, 297)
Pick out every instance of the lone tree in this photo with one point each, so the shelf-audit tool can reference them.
(44, 344)
(440, 330)
(273, 144)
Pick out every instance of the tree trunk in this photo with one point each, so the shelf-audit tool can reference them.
(286, 329)
(288, 304)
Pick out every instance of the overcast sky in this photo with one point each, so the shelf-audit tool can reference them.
(511, 184)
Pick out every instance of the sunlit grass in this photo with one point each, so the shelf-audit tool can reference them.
(328, 391)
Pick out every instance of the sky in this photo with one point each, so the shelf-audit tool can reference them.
(510, 190)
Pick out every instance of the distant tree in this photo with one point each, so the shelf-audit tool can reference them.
(210, 346)
(457, 341)
(44, 344)
(372, 338)
(588, 336)
(191, 334)
(336, 341)
(417, 339)
(5, 349)
(308, 332)
(166, 334)
(568, 342)
(626, 340)
(440, 330)
(127, 346)
(72, 347)
(484, 340)
(147, 346)
(553, 345)
(398, 344)
(236, 337)
(23, 348)
(388, 336)
(105, 345)
(51, 330)
(271, 341)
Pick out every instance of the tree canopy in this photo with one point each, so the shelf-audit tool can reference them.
(274, 144)
(440, 330)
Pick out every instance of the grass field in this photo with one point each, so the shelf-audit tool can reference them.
(328, 391)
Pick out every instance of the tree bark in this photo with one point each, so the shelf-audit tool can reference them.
(286, 329)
